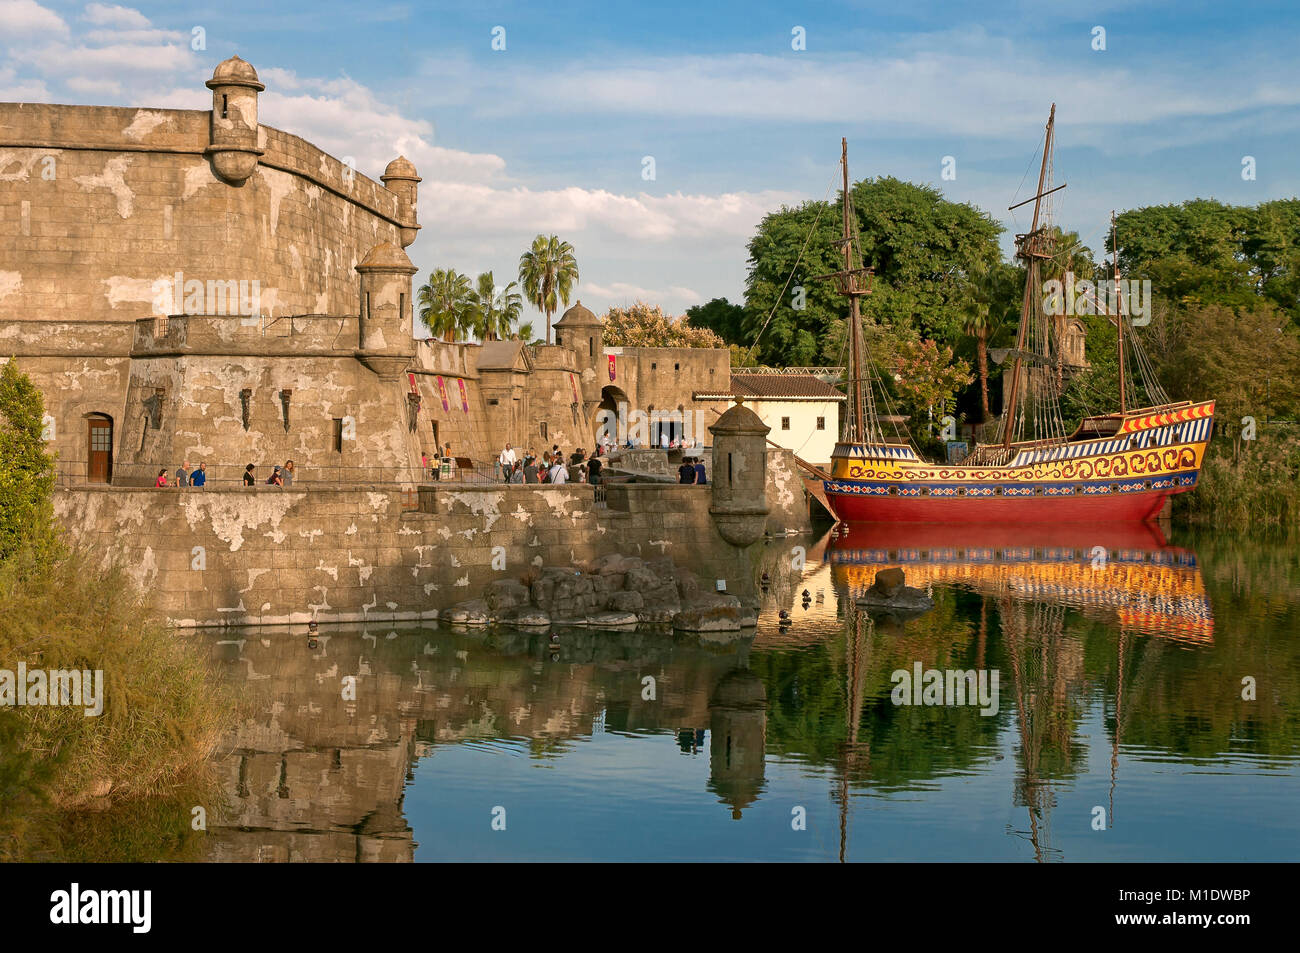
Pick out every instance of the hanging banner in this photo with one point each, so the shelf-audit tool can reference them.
(612, 367)
(574, 382)
(464, 400)
(442, 392)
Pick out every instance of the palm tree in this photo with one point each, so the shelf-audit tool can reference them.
(447, 305)
(548, 271)
(497, 310)
(990, 296)
(524, 332)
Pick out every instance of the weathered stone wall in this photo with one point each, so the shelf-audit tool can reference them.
(127, 197)
(230, 556)
(101, 208)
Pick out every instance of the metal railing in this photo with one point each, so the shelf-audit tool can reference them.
(463, 471)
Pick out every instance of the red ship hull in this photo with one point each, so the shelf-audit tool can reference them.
(1109, 508)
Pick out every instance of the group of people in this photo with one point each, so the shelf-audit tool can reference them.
(185, 477)
(550, 468)
(692, 471)
(434, 468)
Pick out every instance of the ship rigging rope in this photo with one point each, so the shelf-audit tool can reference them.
(781, 297)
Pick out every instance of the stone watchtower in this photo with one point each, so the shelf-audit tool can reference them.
(400, 177)
(582, 332)
(384, 327)
(739, 506)
(233, 147)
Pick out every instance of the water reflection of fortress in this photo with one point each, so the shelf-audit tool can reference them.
(313, 777)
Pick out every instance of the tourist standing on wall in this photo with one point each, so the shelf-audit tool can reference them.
(530, 469)
(275, 479)
(183, 475)
(559, 473)
(593, 471)
(287, 473)
(200, 476)
(248, 475)
(686, 472)
(507, 461)
(701, 478)
(162, 478)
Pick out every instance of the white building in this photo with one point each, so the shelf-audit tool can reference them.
(802, 410)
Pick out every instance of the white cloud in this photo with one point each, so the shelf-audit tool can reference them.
(623, 293)
(15, 90)
(24, 18)
(106, 15)
(964, 83)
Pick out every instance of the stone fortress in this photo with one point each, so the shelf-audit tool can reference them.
(187, 285)
(194, 285)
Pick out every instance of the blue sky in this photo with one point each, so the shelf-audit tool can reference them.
(550, 134)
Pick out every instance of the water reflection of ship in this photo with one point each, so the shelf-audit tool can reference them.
(1124, 571)
(1031, 579)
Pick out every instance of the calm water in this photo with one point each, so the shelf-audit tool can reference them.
(1120, 691)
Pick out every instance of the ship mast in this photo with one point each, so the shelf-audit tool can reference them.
(862, 426)
(1029, 251)
(1119, 317)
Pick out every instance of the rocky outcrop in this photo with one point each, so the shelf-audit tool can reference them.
(890, 593)
(614, 592)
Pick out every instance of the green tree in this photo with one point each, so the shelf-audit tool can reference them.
(924, 250)
(497, 311)
(925, 377)
(792, 318)
(720, 316)
(548, 271)
(989, 307)
(922, 247)
(524, 332)
(448, 307)
(26, 468)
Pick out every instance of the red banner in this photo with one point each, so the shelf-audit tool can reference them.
(574, 382)
(442, 392)
(464, 400)
(613, 370)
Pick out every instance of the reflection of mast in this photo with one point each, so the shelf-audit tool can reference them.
(857, 650)
(1035, 649)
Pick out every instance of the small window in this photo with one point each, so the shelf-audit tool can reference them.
(338, 434)
(654, 366)
(729, 469)
(541, 428)
(225, 107)
(591, 347)
(493, 401)
(785, 423)
(821, 423)
(677, 367)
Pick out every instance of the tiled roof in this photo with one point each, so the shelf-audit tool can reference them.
(495, 355)
(782, 387)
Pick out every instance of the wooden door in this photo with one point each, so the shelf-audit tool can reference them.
(99, 468)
